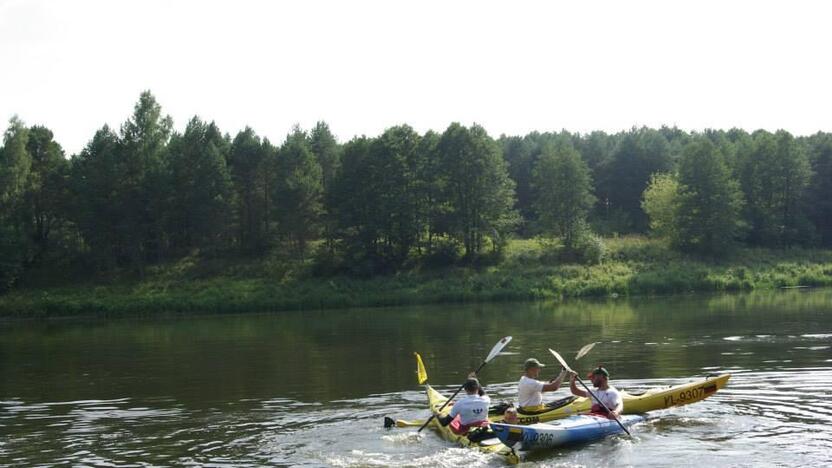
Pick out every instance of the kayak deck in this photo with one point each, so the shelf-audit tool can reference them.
(567, 431)
(650, 400)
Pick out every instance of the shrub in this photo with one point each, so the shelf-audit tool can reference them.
(445, 252)
(591, 249)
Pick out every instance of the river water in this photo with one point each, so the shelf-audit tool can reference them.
(311, 388)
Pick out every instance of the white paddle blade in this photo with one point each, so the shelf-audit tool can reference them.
(582, 352)
(560, 360)
(497, 348)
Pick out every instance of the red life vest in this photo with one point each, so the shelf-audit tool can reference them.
(461, 429)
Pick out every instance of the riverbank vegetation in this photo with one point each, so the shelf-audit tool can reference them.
(149, 218)
(529, 271)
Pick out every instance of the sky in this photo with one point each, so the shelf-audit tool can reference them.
(363, 66)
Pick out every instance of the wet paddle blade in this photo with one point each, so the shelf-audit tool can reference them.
(421, 373)
(582, 352)
(406, 423)
(560, 360)
(497, 348)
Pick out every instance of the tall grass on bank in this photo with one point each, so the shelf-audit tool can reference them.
(632, 266)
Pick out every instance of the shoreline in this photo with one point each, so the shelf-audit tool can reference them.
(634, 267)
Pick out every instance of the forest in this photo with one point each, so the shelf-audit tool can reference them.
(146, 194)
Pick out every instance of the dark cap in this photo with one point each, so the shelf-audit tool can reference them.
(600, 371)
(532, 363)
(471, 385)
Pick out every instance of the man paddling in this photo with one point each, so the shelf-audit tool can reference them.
(608, 394)
(530, 390)
(469, 411)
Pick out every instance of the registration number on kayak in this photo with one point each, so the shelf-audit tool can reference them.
(539, 439)
(685, 396)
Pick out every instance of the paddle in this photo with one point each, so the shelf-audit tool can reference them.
(494, 352)
(566, 366)
(586, 349)
(390, 422)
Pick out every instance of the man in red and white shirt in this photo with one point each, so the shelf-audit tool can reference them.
(604, 392)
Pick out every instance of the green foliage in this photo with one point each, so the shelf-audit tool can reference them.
(95, 184)
(383, 198)
(445, 252)
(563, 192)
(478, 190)
(590, 248)
(521, 155)
(622, 179)
(44, 207)
(660, 202)
(407, 203)
(33, 197)
(323, 145)
(325, 148)
(433, 204)
(632, 266)
(12, 248)
(15, 167)
(348, 197)
(122, 188)
(144, 187)
(395, 163)
(298, 191)
(204, 193)
(15, 163)
(251, 164)
(819, 192)
(707, 218)
(774, 174)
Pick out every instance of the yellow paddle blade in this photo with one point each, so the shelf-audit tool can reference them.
(421, 373)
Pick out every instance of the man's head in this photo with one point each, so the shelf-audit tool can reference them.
(532, 367)
(599, 377)
(510, 416)
(471, 386)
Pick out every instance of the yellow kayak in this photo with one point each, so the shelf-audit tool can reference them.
(492, 445)
(638, 403)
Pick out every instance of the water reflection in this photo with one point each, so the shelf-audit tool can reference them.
(310, 388)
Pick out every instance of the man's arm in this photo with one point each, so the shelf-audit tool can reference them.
(445, 420)
(574, 388)
(619, 406)
(554, 384)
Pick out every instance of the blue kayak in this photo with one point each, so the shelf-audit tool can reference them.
(572, 430)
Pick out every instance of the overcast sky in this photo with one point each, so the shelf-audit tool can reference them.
(512, 66)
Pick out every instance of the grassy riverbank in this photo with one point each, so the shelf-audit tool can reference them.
(632, 266)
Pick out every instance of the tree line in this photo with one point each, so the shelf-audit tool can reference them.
(145, 193)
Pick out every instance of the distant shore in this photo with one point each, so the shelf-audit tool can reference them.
(632, 266)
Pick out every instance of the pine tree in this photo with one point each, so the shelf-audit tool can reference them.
(710, 202)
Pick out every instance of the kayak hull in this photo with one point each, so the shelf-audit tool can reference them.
(651, 400)
(568, 431)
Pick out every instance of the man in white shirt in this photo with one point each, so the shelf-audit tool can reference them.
(530, 390)
(471, 410)
(604, 392)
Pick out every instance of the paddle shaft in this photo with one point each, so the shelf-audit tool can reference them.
(451, 398)
(602, 404)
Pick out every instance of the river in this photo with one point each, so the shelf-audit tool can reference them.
(311, 388)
